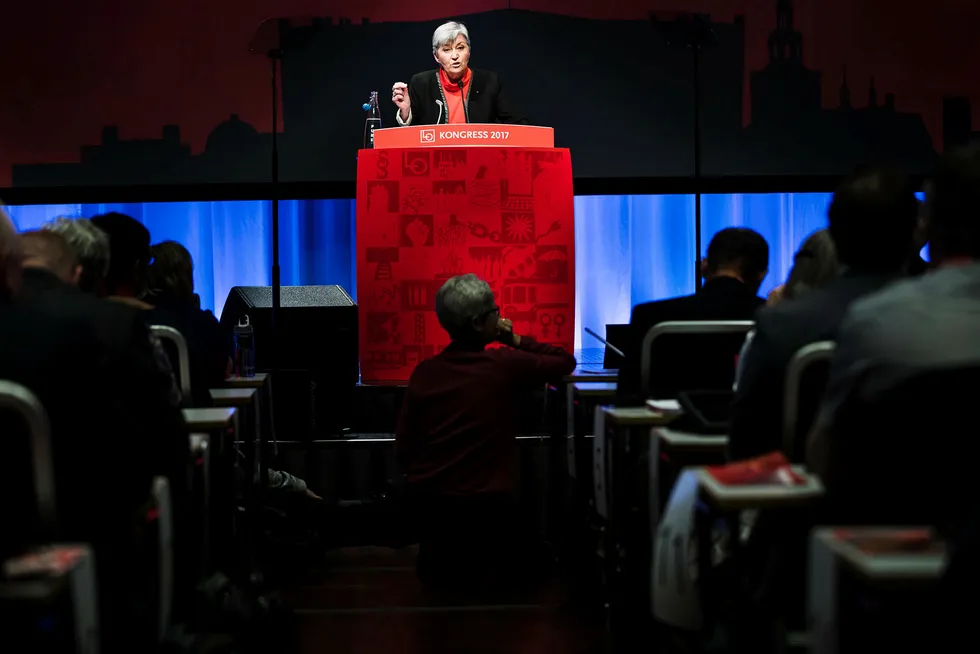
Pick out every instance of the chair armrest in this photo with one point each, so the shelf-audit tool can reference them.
(743, 497)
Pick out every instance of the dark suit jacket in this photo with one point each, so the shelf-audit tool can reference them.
(677, 367)
(113, 426)
(209, 347)
(486, 101)
(781, 330)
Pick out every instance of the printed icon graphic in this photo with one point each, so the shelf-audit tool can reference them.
(415, 163)
(427, 136)
(382, 197)
(459, 210)
(416, 231)
(517, 228)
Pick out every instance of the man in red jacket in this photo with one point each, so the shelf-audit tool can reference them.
(456, 434)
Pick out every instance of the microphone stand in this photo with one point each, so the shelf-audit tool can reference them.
(267, 41)
(275, 56)
(691, 31)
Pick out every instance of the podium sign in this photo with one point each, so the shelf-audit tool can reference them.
(467, 135)
(427, 214)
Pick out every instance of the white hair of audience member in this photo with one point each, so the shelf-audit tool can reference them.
(9, 256)
(90, 245)
(460, 300)
(447, 33)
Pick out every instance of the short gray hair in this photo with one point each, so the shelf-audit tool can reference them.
(460, 300)
(90, 245)
(447, 33)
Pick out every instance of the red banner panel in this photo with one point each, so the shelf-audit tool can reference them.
(423, 216)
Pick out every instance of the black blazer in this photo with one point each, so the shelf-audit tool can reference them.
(91, 364)
(209, 348)
(486, 101)
(781, 330)
(722, 298)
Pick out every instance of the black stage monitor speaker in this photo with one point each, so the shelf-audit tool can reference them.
(317, 370)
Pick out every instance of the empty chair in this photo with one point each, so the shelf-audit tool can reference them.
(691, 355)
(806, 379)
(908, 454)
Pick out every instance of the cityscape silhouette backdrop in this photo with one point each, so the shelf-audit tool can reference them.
(172, 96)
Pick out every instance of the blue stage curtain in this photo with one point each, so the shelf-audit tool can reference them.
(632, 249)
(629, 249)
(231, 242)
(783, 219)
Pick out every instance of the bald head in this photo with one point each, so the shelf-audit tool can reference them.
(9, 257)
(50, 251)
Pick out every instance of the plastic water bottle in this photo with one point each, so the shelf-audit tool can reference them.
(373, 120)
(244, 348)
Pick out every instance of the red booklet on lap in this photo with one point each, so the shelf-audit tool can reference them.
(770, 469)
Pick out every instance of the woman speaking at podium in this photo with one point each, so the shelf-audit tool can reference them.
(454, 93)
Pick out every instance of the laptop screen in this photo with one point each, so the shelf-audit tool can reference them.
(617, 336)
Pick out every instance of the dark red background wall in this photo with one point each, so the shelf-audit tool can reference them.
(69, 68)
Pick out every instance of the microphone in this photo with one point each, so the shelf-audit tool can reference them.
(605, 342)
(439, 119)
(366, 106)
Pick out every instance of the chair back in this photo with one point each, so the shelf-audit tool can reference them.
(200, 480)
(142, 579)
(806, 380)
(160, 492)
(27, 448)
(176, 340)
(49, 600)
(909, 450)
(716, 343)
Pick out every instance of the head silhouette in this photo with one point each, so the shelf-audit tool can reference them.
(740, 253)
(953, 207)
(172, 272)
(872, 220)
(814, 265)
(51, 252)
(90, 245)
(129, 254)
(466, 310)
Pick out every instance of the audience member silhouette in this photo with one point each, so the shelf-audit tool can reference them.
(125, 282)
(916, 326)
(91, 247)
(113, 426)
(170, 286)
(870, 220)
(456, 439)
(737, 261)
(815, 265)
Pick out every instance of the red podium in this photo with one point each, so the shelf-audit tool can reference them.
(438, 201)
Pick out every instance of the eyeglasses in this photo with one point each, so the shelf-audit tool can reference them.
(487, 314)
